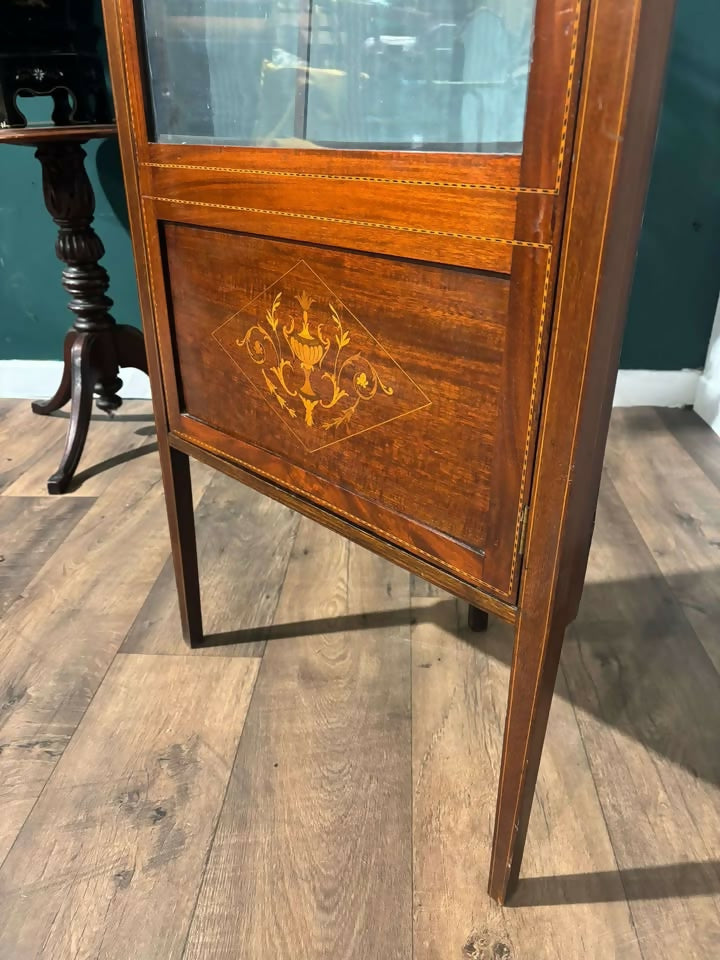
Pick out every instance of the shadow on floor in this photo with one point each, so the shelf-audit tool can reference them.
(641, 669)
(99, 417)
(348, 623)
(125, 457)
(610, 886)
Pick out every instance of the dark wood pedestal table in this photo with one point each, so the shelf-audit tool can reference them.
(96, 346)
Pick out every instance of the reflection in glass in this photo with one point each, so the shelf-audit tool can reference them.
(448, 75)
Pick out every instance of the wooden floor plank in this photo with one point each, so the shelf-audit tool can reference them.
(110, 860)
(312, 857)
(244, 544)
(648, 704)
(460, 684)
(676, 508)
(6, 405)
(31, 530)
(25, 439)
(697, 438)
(421, 588)
(111, 442)
(58, 639)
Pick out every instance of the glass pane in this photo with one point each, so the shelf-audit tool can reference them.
(440, 75)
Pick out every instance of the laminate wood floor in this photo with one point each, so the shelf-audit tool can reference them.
(320, 783)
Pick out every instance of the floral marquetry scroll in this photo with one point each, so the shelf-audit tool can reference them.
(317, 366)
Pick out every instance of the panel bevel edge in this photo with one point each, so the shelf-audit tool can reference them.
(371, 541)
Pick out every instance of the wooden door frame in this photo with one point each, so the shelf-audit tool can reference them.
(518, 202)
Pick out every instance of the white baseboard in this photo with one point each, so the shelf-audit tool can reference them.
(656, 388)
(39, 379)
(707, 398)
(35, 379)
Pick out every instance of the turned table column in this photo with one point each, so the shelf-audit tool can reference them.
(96, 346)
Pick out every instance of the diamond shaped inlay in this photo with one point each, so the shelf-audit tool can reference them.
(317, 366)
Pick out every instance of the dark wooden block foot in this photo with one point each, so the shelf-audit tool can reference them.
(478, 620)
(58, 483)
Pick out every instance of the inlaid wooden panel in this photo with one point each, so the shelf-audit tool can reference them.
(412, 241)
(463, 223)
(315, 366)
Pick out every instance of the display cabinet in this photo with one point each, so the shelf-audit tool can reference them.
(384, 252)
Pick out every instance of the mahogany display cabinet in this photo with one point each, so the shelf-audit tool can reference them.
(384, 254)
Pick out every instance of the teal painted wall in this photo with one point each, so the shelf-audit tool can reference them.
(677, 277)
(678, 269)
(33, 305)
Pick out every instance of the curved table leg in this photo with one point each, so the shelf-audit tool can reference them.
(63, 392)
(83, 377)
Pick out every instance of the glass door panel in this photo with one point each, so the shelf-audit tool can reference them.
(425, 75)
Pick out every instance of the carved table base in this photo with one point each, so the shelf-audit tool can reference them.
(96, 346)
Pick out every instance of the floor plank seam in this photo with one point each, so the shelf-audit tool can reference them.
(221, 807)
(58, 761)
(184, 656)
(628, 903)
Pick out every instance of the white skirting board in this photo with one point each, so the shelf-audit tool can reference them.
(39, 379)
(707, 399)
(33, 379)
(656, 388)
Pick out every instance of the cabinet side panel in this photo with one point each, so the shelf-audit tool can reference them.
(614, 280)
(622, 85)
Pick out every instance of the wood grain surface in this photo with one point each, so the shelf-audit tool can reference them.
(674, 505)
(87, 591)
(32, 528)
(244, 544)
(460, 684)
(129, 815)
(431, 373)
(316, 829)
(371, 836)
(696, 437)
(454, 297)
(23, 446)
(125, 437)
(648, 709)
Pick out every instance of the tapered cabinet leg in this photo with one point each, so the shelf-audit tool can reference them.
(532, 681)
(478, 620)
(178, 498)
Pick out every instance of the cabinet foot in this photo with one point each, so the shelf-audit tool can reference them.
(179, 502)
(532, 681)
(478, 620)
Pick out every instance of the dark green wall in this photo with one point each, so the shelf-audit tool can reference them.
(33, 304)
(677, 277)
